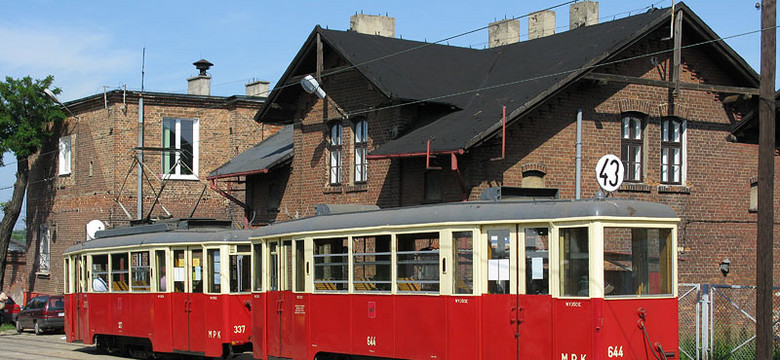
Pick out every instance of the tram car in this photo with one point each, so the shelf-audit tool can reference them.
(568, 280)
(177, 287)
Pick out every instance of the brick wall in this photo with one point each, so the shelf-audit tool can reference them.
(102, 143)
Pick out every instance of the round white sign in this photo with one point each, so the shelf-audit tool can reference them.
(609, 172)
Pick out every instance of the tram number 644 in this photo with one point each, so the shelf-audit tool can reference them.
(615, 351)
(371, 340)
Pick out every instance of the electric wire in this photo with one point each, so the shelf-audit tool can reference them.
(443, 96)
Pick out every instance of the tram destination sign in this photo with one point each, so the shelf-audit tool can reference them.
(609, 172)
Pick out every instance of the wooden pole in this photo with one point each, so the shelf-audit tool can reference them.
(766, 175)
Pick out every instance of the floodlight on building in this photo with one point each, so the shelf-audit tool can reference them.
(51, 95)
(311, 86)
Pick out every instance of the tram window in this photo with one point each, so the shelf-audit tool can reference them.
(300, 265)
(119, 272)
(239, 270)
(637, 261)
(161, 270)
(287, 265)
(331, 264)
(141, 271)
(372, 263)
(418, 262)
(574, 262)
(197, 271)
(68, 286)
(273, 266)
(463, 253)
(258, 256)
(537, 261)
(179, 270)
(215, 264)
(99, 273)
(498, 261)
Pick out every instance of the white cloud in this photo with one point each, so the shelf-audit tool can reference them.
(80, 60)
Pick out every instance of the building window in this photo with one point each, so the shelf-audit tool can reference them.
(672, 150)
(753, 196)
(361, 150)
(65, 155)
(631, 146)
(181, 137)
(335, 154)
(44, 251)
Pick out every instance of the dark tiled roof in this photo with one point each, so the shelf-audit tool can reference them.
(471, 86)
(269, 153)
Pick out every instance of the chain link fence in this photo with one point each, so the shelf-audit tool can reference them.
(718, 321)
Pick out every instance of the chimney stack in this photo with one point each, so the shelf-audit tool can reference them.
(541, 24)
(201, 83)
(503, 32)
(373, 24)
(258, 88)
(583, 13)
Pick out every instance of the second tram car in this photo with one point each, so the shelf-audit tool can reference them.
(570, 280)
(180, 287)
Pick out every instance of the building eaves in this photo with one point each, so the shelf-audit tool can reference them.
(272, 152)
(97, 101)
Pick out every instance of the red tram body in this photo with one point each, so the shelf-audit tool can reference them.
(569, 280)
(312, 320)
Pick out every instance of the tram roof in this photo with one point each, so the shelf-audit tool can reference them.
(163, 237)
(471, 212)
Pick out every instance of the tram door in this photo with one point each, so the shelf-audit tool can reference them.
(535, 303)
(78, 298)
(188, 313)
(280, 301)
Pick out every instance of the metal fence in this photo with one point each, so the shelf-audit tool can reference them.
(718, 321)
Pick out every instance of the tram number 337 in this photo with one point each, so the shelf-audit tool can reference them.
(371, 340)
(615, 351)
(239, 329)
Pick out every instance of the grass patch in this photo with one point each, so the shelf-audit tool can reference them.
(6, 326)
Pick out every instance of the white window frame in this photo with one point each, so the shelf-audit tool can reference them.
(336, 133)
(44, 249)
(65, 155)
(361, 151)
(176, 174)
(683, 150)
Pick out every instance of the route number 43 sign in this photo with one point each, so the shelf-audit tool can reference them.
(609, 172)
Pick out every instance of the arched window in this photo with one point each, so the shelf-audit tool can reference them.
(672, 150)
(361, 150)
(335, 153)
(631, 146)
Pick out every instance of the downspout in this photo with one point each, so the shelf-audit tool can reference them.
(578, 180)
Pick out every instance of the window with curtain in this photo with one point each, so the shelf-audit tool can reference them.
(335, 153)
(672, 150)
(361, 150)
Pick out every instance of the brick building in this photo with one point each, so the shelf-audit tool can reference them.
(397, 122)
(89, 172)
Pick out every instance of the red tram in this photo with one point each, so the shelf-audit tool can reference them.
(182, 287)
(569, 280)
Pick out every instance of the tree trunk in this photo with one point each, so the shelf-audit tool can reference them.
(11, 213)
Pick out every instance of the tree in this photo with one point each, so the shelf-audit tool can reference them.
(27, 117)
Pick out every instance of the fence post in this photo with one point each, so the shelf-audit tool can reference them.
(705, 321)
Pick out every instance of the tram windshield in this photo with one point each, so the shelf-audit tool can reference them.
(637, 261)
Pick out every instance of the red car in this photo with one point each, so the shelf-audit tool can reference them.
(42, 313)
(8, 314)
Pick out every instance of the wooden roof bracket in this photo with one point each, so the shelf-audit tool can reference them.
(677, 52)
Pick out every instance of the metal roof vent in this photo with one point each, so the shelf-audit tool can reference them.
(202, 65)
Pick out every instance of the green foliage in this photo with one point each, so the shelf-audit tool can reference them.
(19, 236)
(27, 115)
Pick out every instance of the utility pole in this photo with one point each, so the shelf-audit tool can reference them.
(766, 181)
(140, 205)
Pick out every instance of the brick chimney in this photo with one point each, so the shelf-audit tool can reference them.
(258, 88)
(373, 24)
(541, 24)
(201, 83)
(583, 13)
(503, 32)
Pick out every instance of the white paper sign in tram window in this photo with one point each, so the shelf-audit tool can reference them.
(197, 273)
(537, 268)
(498, 269)
(178, 274)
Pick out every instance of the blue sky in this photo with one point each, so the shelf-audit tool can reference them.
(87, 45)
